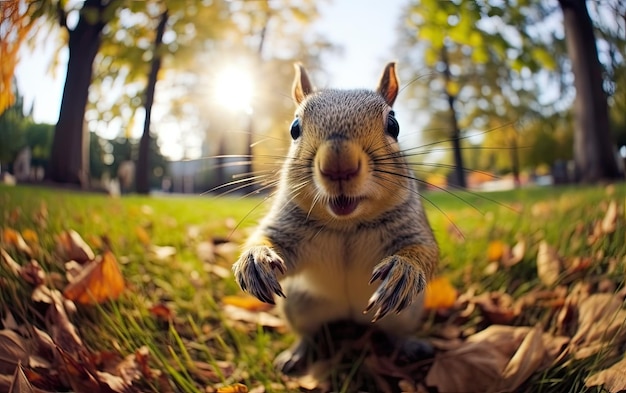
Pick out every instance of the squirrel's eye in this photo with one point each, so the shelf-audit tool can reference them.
(295, 129)
(393, 128)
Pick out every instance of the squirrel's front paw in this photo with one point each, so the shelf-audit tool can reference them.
(402, 282)
(254, 272)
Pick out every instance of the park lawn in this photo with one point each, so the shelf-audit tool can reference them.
(174, 301)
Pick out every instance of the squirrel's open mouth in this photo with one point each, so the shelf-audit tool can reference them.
(343, 205)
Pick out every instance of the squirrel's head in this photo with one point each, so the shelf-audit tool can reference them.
(344, 162)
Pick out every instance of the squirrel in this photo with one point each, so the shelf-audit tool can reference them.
(347, 237)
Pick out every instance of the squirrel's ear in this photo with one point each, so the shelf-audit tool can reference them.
(388, 84)
(302, 86)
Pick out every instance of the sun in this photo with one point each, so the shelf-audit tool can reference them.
(234, 88)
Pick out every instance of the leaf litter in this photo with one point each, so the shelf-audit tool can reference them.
(477, 341)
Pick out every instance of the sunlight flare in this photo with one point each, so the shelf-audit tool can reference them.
(234, 88)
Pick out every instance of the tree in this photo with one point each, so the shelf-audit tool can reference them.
(69, 149)
(143, 167)
(594, 153)
(16, 21)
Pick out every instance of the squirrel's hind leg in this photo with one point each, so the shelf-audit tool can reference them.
(297, 358)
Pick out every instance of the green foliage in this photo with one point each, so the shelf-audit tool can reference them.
(506, 59)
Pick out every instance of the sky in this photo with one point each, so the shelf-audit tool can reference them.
(365, 30)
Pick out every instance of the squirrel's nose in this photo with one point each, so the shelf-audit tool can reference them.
(338, 163)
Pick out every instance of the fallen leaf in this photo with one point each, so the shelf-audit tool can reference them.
(247, 302)
(100, 280)
(162, 252)
(526, 360)
(236, 388)
(496, 250)
(6, 259)
(142, 235)
(20, 383)
(548, 264)
(30, 236)
(258, 318)
(162, 312)
(498, 307)
(612, 379)
(439, 294)
(601, 321)
(15, 239)
(13, 350)
(32, 273)
(72, 246)
(206, 251)
(473, 367)
(62, 331)
(516, 255)
(609, 222)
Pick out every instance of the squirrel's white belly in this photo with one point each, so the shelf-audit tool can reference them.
(332, 281)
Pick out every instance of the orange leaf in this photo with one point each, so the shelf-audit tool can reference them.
(13, 238)
(30, 236)
(439, 294)
(99, 281)
(246, 302)
(142, 235)
(495, 250)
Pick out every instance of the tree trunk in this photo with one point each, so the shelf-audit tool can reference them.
(593, 149)
(68, 157)
(143, 163)
(455, 137)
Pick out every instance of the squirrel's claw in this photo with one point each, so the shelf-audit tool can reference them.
(401, 283)
(255, 273)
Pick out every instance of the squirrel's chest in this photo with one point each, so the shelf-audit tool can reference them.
(340, 266)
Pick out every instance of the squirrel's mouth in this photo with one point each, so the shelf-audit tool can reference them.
(343, 205)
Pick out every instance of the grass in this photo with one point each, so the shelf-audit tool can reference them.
(200, 347)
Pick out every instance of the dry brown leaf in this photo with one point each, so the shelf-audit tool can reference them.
(247, 302)
(32, 273)
(516, 255)
(6, 259)
(548, 264)
(473, 367)
(498, 307)
(13, 350)
(601, 321)
(72, 246)
(236, 388)
(526, 360)
(609, 222)
(206, 251)
(162, 253)
(13, 238)
(162, 312)
(20, 383)
(64, 334)
(259, 318)
(612, 379)
(101, 280)
(439, 294)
